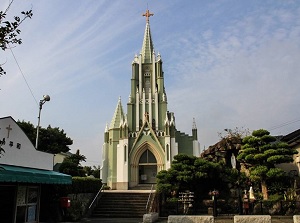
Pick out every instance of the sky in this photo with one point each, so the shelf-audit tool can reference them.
(227, 63)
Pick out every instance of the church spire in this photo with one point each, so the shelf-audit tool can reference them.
(118, 117)
(194, 130)
(147, 48)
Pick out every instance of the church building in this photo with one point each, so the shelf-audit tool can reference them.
(139, 144)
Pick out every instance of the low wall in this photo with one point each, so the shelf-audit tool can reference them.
(190, 219)
(150, 218)
(296, 218)
(252, 219)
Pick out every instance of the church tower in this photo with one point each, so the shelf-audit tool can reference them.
(140, 144)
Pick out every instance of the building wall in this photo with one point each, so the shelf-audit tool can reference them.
(19, 151)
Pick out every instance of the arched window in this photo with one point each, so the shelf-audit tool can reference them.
(147, 86)
(125, 153)
(147, 157)
(168, 152)
(141, 123)
(153, 124)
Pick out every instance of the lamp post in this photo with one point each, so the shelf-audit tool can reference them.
(214, 196)
(45, 98)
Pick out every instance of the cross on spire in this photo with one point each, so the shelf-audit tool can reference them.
(147, 15)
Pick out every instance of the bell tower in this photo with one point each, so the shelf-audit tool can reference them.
(147, 94)
(144, 141)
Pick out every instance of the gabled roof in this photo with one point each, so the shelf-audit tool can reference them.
(144, 131)
(292, 138)
(118, 116)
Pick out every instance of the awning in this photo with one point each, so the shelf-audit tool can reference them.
(31, 175)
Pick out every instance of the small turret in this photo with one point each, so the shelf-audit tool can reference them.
(118, 116)
(194, 130)
(106, 134)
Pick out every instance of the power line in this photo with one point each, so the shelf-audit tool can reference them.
(284, 124)
(23, 74)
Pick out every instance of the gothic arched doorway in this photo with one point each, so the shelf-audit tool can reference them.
(147, 168)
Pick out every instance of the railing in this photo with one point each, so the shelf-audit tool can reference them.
(280, 208)
(92, 205)
(149, 197)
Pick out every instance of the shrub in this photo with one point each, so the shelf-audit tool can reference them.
(80, 185)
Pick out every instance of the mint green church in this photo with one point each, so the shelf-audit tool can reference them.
(139, 144)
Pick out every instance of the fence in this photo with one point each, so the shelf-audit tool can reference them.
(231, 207)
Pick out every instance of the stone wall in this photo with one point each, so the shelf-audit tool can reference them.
(190, 219)
(252, 219)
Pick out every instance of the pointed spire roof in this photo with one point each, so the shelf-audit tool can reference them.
(147, 48)
(118, 117)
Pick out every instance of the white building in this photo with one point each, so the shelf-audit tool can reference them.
(24, 172)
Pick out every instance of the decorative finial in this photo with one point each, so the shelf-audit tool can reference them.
(147, 15)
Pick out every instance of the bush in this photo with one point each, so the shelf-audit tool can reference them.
(80, 185)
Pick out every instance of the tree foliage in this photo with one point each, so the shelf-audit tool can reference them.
(92, 171)
(260, 153)
(234, 133)
(9, 30)
(195, 174)
(51, 140)
(71, 165)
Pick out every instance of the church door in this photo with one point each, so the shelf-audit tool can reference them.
(147, 168)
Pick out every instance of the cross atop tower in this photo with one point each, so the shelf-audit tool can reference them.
(147, 15)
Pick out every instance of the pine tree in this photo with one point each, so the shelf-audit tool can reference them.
(260, 153)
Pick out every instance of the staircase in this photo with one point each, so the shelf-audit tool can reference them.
(121, 204)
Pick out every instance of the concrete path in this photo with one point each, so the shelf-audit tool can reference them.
(118, 220)
(220, 219)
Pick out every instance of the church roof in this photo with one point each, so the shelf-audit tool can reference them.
(147, 48)
(292, 138)
(118, 116)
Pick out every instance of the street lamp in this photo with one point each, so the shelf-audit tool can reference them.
(45, 98)
(214, 196)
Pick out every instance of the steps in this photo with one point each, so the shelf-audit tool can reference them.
(144, 187)
(127, 204)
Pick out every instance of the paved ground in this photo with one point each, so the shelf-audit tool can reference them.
(113, 220)
(221, 219)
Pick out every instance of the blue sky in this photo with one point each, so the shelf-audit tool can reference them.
(227, 64)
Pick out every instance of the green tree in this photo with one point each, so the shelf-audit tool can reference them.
(54, 140)
(9, 30)
(92, 171)
(195, 174)
(260, 153)
(51, 140)
(71, 165)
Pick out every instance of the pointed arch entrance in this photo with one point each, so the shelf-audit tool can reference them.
(146, 162)
(147, 168)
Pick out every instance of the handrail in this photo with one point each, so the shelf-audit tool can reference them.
(96, 196)
(149, 197)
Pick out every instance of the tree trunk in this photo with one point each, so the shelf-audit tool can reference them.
(264, 190)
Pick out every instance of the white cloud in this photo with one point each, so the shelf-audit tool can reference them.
(231, 64)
